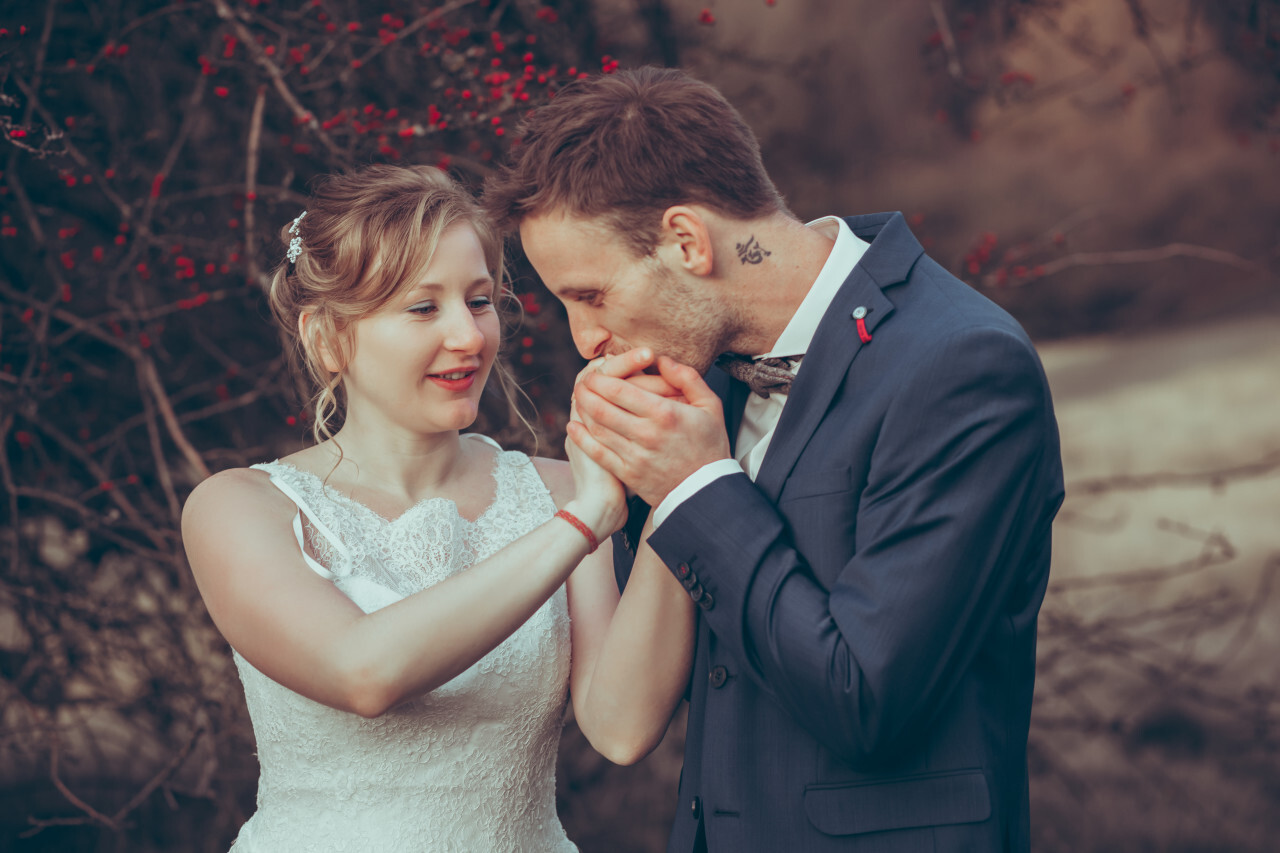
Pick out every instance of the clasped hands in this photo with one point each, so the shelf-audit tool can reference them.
(648, 429)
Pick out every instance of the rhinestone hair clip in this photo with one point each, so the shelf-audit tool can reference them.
(295, 245)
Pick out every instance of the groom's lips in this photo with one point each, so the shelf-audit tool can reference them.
(466, 378)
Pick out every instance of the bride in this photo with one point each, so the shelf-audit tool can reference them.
(402, 598)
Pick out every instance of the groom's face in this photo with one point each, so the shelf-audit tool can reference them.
(616, 301)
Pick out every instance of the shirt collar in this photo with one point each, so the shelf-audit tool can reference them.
(845, 254)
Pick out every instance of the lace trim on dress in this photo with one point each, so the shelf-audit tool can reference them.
(332, 560)
(279, 483)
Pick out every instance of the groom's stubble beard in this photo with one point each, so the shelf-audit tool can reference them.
(692, 326)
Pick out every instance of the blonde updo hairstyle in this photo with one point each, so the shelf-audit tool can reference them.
(366, 234)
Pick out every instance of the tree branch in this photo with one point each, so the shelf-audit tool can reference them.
(251, 189)
(954, 68)
(1138, 482)
(1136, 256)
(301, 115)
(151, 378)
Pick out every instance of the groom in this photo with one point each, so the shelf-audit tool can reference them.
(866, 532)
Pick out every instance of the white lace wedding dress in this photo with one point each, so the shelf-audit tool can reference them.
(468, 767)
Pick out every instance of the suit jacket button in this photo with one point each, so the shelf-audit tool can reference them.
(696, 807)
(706, 602)
(718, 676)
(696, 591)
(682, 571)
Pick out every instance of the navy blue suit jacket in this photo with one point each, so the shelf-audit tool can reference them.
(866, 644)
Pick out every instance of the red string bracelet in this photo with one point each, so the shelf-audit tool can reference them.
(582, 528)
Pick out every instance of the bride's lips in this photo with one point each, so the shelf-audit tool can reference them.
(456, 380)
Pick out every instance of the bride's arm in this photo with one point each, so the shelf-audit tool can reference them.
(631, 654)
(301, 631)
(625, 697)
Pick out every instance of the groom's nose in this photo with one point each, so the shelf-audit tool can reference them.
(590, 338)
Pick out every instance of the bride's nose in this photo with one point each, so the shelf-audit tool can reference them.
(464, 333)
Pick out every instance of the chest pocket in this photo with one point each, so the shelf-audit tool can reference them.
(820, 506)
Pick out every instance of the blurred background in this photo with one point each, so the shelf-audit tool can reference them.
(1104, 169)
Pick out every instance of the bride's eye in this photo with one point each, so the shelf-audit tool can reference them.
(423, 308)
(480, 303)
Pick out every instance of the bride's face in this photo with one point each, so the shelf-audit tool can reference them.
(421, 361)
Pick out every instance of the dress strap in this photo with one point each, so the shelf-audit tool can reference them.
(527, 483)
(298, 501)
(486, 439)
(302, 546)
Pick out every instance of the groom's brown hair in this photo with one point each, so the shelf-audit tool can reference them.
(625, 147)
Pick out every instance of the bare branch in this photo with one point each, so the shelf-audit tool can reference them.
(1216, 549)
(190, 115)
(161, 777)
(151, 379)
(153, 434)
(24, 202)
(56, 777)
(83, 325)
(417, 24)
(11, 489)
(1135, 256)
(1143, 31)
(42, 53)
(103, 185)
(301, 115)
(143, 20)
(100, 475)
(1218, 477)
(954, 68)
(251, 189)
(92, 520)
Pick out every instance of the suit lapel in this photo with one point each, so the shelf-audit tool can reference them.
(836, 343)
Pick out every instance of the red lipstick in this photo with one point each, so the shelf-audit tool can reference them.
(458, 380)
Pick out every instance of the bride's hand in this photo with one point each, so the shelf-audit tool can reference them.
(629, 366)
(600, 499)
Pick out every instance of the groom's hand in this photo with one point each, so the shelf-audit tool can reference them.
(632, 366)
(649, 440)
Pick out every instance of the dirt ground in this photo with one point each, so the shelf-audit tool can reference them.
(1156, 699)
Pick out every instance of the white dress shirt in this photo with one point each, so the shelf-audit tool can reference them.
(760, 417)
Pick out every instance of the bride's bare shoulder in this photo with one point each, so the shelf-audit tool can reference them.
(239, 489)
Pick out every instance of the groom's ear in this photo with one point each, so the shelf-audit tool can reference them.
(686, 240)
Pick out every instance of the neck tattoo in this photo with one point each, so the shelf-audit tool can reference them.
(751, 252)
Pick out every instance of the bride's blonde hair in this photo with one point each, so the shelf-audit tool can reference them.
(366, 234)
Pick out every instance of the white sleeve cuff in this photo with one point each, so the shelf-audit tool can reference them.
(692, 484)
